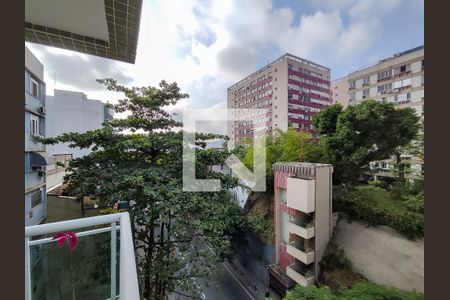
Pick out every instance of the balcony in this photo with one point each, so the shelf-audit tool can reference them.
(31, 145)
(302, 229)
(90, 271)
(302, 277)
(33, 180)
(304, 255)
(33, 104)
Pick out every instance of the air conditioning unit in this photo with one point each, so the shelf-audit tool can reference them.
(36, 168)
(41, 109)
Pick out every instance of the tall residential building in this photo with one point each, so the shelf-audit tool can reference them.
(303, 223)
(292, 89)
(398, 79)
(36, 158)
(339, 91)
(69, 111)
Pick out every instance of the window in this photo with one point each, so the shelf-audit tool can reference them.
(34, 88)
(352, 96)
(384, 88)
(34, 125)
(366, 93)
(36, 198)
(385, 74)
(366, 80)
(290, 67)
(352, 85)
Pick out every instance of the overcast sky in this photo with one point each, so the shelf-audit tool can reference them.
(206, 46)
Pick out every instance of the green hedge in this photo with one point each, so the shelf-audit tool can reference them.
(406, 222)
(363, 290)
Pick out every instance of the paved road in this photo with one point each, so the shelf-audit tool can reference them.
(227, 287)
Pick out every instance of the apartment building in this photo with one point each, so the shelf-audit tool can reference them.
(291, 90)
(36, 158)
(303, 223)
(69, 111)
(339, 91)
(398, 79)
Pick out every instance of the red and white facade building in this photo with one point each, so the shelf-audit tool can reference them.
(303, 223)
(290, 90)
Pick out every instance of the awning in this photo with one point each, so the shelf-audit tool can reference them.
(41, 159)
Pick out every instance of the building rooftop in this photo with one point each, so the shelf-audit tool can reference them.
(108, 28)
(285, 56)
(299, 167)
(396, 55)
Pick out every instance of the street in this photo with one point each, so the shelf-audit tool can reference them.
(226, 286)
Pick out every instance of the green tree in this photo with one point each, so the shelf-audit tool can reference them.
(362, 133)
(139, 159)
(286, 147)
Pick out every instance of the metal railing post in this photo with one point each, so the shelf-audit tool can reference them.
(113, 259)
(27, 269)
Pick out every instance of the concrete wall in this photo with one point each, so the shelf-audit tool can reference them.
(382, 255)
(33, 64)
(72, 112)
(322, 215)
(339, 90)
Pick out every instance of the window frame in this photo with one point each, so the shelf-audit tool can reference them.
(34, 82)
(34, 120)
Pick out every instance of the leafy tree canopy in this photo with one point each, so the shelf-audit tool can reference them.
(362, 133)
(138, 158)
(286, 147)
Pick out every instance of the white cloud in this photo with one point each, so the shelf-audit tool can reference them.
(205, 46)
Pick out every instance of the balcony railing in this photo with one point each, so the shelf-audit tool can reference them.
(305, 255)
(302, 277)
(32, 145)
(303, 229)
(41, 254)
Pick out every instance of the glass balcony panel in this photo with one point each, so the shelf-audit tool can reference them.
(56, 272)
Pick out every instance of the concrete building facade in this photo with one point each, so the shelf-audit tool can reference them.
(339, 91)
(398, 79)
(36, 158)
(290, 88)
(303, 223)
(69, 111)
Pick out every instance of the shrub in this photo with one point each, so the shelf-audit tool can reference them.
(416, 202)
(334, 258)
(371, 291)
(363, 290)
(381, 184)
(360, 205)
(310, 293)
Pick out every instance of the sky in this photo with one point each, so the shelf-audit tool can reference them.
(206, 46)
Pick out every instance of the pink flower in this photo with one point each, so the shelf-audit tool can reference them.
(70, 237)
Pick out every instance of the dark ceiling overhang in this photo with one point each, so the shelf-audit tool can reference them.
(122, 20)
